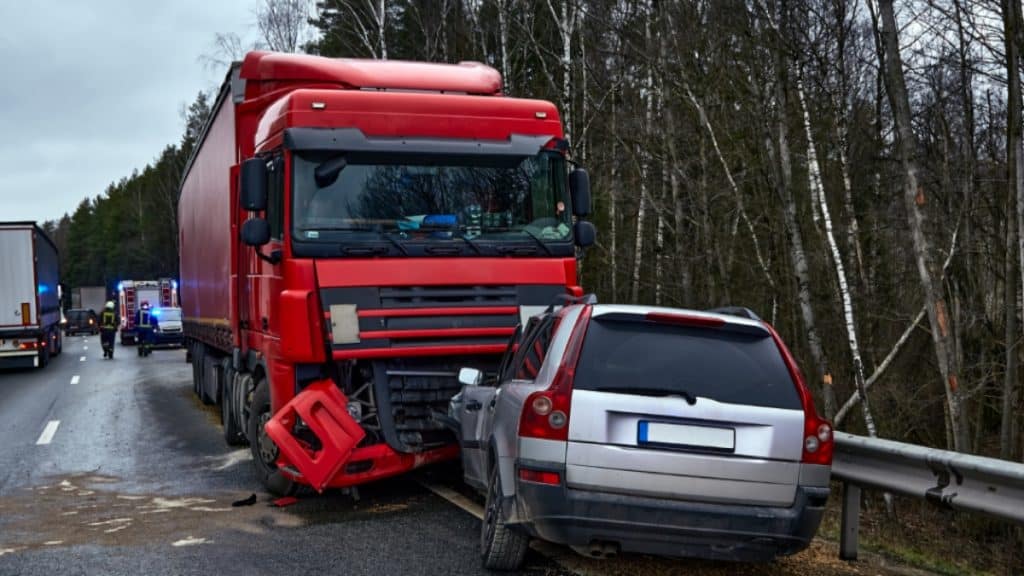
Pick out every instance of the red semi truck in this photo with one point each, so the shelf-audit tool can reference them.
(351, 233)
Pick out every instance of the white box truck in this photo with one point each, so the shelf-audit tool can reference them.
(29, 296)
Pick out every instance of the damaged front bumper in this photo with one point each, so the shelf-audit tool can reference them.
(333, 459)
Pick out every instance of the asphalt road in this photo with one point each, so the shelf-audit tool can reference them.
(114, 467)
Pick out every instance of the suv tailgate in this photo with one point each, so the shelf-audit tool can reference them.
(685, 412)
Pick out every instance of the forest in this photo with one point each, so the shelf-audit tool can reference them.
(851, 170)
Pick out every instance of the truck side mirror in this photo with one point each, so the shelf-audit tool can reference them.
(579, 190)
(253, 185)
(585, 234)
(256, 232)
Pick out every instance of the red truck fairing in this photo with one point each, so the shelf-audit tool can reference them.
(359, 346)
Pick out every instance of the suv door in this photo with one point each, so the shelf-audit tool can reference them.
(474, 406)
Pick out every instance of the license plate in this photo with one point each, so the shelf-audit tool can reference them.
(686, 435)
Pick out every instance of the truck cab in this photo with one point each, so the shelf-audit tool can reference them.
(394, 221)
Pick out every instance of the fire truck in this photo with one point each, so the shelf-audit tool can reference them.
(131, 294)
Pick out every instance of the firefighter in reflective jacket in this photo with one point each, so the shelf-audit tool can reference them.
(144, 329)
(108, 328)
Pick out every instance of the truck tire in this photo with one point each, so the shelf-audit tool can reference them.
(502, 547)
(207, 383)
(197, 367)
(58, 345)
(233, 434)
(44, 352)
(264, 453)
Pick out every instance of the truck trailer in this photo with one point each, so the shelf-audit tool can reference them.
(89, 298)
(131, 294)
(351, 233)
(29, 296)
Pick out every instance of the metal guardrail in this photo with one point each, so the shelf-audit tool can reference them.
(949, 479)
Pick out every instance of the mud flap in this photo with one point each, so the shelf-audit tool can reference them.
(324, 409)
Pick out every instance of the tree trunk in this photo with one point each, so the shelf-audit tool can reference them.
(814, 176)
(784, 183)
(1015, 219)
(914, 198)
(506, 70)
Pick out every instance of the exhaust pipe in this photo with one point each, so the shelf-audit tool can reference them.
(603, 550)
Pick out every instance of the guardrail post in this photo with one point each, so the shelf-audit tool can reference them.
(850, 523)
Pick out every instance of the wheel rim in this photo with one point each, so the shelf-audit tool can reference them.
(267, 448)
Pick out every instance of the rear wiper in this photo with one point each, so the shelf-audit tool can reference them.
(641, 391)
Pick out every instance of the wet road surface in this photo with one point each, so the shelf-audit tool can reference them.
(114, 467)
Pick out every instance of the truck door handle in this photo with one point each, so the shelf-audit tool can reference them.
(493, 402)
(473, 406)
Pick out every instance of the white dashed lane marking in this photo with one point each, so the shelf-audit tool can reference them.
(74, 379)
(82, 359)
(47, 436)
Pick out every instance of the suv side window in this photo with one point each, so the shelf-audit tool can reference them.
(534, 348)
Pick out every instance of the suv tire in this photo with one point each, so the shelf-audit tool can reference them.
(502, 547)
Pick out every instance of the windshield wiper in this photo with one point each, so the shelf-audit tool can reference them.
(641, 391)
(390, 238)
(533, 235)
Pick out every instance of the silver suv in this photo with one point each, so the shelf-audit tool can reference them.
(636, 429)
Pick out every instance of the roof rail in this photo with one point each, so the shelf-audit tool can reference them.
(741, 311)
(567, 299)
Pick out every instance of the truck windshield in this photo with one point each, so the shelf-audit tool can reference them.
(475, 205)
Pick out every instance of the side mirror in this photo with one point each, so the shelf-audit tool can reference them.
(256, 232)
(579, 189)
(253, 185)
(585, 234)
(470, 377)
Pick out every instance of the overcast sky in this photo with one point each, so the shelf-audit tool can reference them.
(91, 89)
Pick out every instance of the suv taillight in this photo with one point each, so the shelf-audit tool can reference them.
(546, 412)
(817, 440)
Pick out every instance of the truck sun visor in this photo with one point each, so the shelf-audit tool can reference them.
(353, 140)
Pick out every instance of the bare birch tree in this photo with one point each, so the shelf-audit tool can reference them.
(914, 199)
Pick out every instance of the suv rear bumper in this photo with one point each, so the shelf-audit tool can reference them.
(668, 527)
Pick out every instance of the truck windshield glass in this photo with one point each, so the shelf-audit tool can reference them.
(476, 201)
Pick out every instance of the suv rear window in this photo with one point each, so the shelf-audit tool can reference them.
(639, 357)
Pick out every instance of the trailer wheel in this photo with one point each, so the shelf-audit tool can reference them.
(197, 366)
(264, 452)
(232, 431)
(44, 352)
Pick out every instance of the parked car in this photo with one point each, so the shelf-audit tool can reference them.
(81, 320)
(167, 331)
(636, 429)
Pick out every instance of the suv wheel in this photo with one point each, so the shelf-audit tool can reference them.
(502, 547)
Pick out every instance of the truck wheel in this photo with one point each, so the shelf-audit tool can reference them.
(232, 433)
(197, 366)
(44, 352)
(264, 452)
(58, 346)
(501, 547)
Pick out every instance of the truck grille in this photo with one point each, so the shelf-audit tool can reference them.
(411, 392)
(414, 339)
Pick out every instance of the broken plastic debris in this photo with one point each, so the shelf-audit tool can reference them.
(286, 501)
(245, 501)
